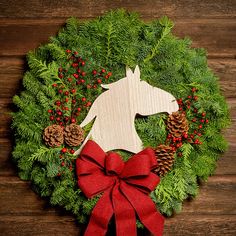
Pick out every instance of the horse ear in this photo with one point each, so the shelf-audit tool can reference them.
(129, 72)
(137, 73)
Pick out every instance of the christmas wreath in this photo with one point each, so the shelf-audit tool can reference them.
(64, 79)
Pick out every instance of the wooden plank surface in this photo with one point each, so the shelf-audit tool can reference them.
(90, 8)
(26, 24)
(218, 36)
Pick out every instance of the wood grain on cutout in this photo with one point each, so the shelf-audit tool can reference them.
(114, 112)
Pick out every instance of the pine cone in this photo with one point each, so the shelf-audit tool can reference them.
(53, 135)
(74, 135)
(165, 159)
(177, 124)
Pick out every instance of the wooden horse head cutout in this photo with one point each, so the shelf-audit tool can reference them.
(115, 110)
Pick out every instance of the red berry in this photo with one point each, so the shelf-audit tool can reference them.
(73, 90)
(61, 123)
(78, 70)
(200, 126)
(58, 118)
(63, 163)
(109, 74)
(195, 98)
(89, 86)
(180, 154)
(202, 121)
(73, 101)
(72, 151)
(60, 69)
(75, 65)
(203, 114)
(75, 53)
(64, 150)
(94, 72)
(58, 103)
(69, 79)
(199, 134)
(94, 86)
(60, 76)
(83, 99)
(180, 109)
(73, 120)
(88, 104)
(76, 75)
(66, 99)
(58, 174)
(83, 73)
(51, 117)
(49, 111)
(66, 118)
(54, 85)
(60, 91)
(189, 97)
(59, 113)
(78, 109)
(68, 50)
(82, 63)
(194, 90)
(194, 120)
(196, 141)
(71, 167)
(185, 135)
(82, 81)
(99, 81)
(103, 70)
(207, 121)
(66, 93)
(106, 77)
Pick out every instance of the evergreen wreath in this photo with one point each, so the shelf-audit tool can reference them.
(63, 80)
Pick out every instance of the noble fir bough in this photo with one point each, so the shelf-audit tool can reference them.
(64, 79)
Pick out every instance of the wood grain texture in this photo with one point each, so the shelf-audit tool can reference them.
(90, 8)
(26, 24)
(217, 36)
(115, 109)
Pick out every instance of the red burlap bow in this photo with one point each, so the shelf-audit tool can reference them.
(125, 187)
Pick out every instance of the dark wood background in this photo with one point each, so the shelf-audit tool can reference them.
(25, 24)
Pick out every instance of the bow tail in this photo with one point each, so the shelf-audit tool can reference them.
(145, 209)
(100, 216)
(124, 214)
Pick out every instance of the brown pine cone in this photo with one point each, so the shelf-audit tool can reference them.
(177, 124)
(165, 159)
(53, 135)
(74, 135)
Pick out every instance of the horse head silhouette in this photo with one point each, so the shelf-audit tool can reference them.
(114, 111)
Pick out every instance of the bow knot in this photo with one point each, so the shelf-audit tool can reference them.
(125, 186)
(113, 164)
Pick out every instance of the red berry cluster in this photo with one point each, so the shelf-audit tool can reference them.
(198, 121)
(76, 85)
(74, 81)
